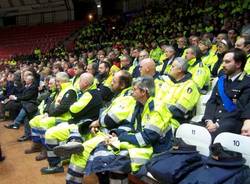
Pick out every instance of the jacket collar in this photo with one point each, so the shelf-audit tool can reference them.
(185, 78)
(156, 75)
(65, 85)
(92, 87)
(193, 62)
(150, 103)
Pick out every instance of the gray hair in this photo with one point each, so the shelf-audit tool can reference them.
(30, 77)
(196, 51)
(145, 83)
(27, 72)
(62, 77)
(182, 64)
(170, 47)
(127, 57)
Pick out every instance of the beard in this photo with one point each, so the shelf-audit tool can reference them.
(229, 72)
(103, 75)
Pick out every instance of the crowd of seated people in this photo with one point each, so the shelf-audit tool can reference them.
(127, 91)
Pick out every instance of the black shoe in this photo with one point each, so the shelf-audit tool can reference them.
(2, 118)
(52, 170)
(68, 149)
(12, 126)
(23, 138)
(2, 158)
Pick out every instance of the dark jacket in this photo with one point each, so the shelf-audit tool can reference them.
(163, 170)
(106, 162)
(9, 88)
(67, 100)
(91, 110)
(239, 92)
(216, 175)
(28, 98)
(29, 93)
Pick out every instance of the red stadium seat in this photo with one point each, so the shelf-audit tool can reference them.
(24, 39)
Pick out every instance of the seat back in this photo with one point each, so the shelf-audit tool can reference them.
(214, 82)
(235, 142)
(201, 104)
(195, 135)
(200, 107)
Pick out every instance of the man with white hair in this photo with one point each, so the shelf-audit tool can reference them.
(179, 92)
(57, 112)
(169, 52)
(27, 101)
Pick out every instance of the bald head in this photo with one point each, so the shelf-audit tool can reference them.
(147, 67)
(86, 80)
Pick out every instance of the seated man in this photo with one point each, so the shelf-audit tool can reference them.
(86, 107)
(79, 69)
(148, 68)
(135, 68)
(181, 46)
(164, 68)
(207, 56)
(11, 108)
(117, 112)
(44, 100)
(6, 89)
(104, 81)
(27, 101)
(126, 62)
(147, 132)
(155, 52)
(58, 111)
(216, 65)
(179, 92)
(200, 72)
(229, 97)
